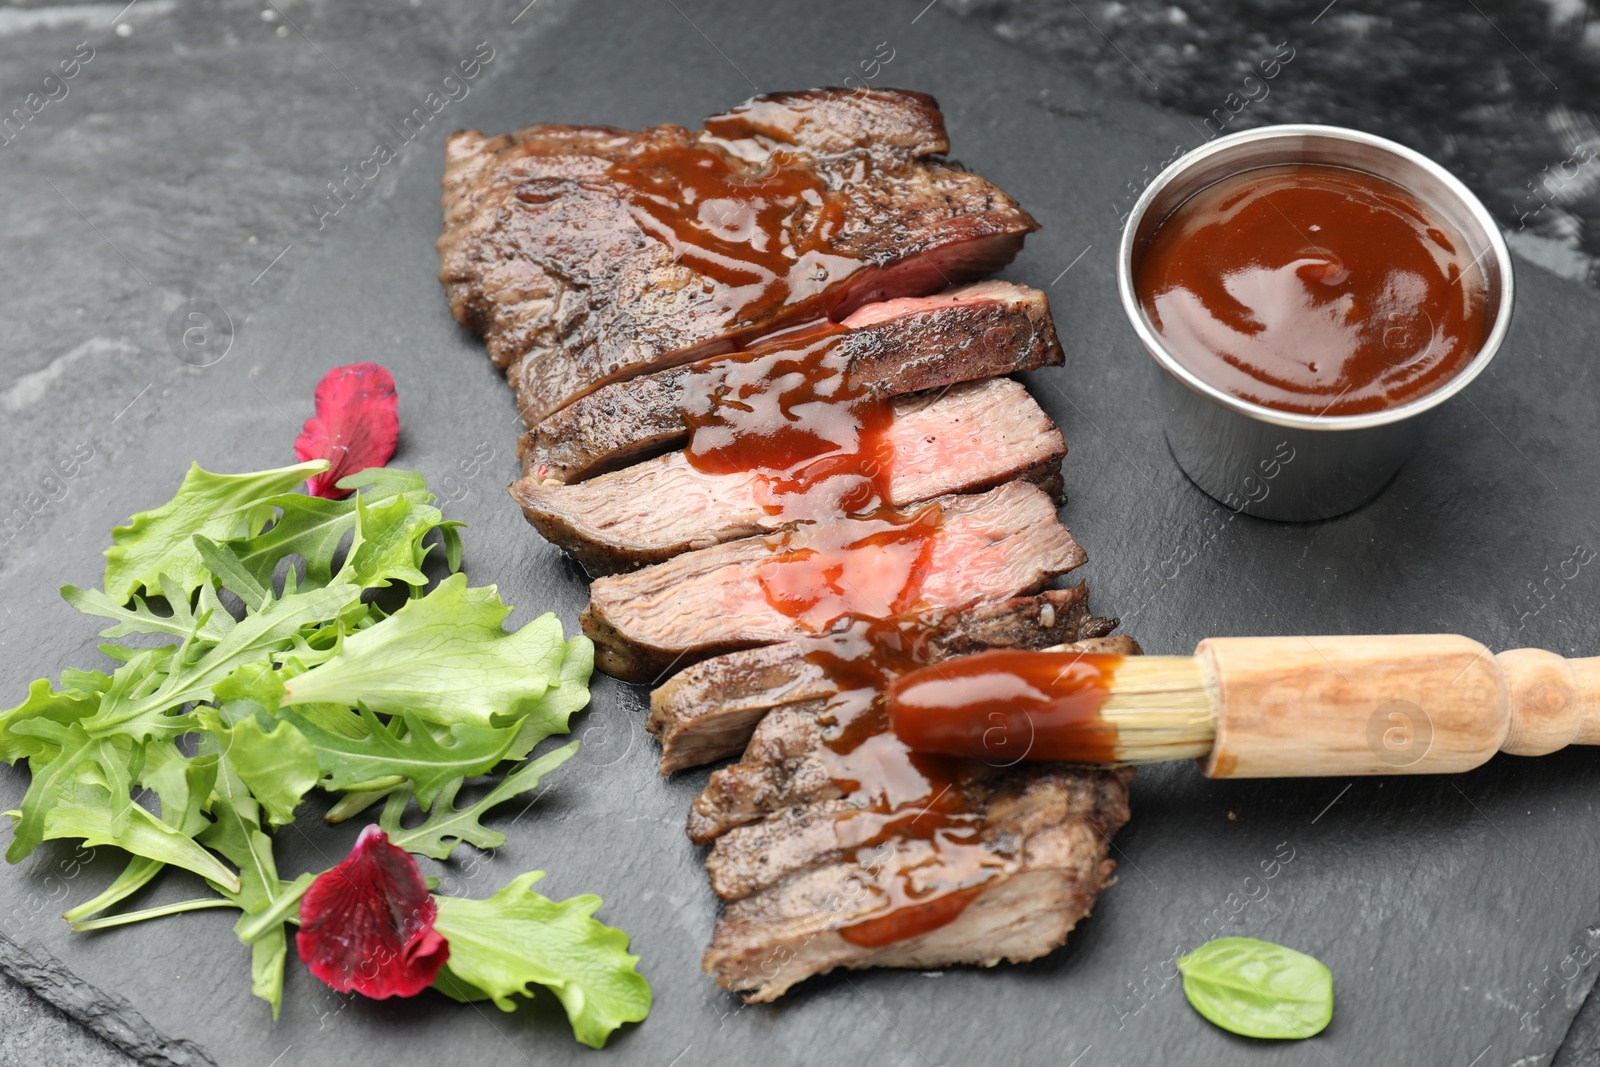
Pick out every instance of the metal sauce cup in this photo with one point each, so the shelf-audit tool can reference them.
(1279, 464)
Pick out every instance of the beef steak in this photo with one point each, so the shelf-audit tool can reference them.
(970, 437)
(1047, 832)
(989, 546)
(585, 255)
(708, 711)
(894, 347)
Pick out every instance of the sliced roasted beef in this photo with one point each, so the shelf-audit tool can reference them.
(895, 347)
(585, 255)
(756, 856)
(970, 437)
(1047, 835)
(990, 546)
(787, 761)
(708, 712)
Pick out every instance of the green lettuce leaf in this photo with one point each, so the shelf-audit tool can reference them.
(445, 657)
(501, 946)
(277, 765)
(63, 706)
(217, 505)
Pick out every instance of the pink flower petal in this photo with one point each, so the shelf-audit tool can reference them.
(367, 924)
(355, 427)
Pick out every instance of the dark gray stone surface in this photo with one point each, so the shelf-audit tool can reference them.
(1454, 913)
(1506, 93)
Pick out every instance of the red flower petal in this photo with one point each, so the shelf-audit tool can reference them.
(356, 425)
(367, 924)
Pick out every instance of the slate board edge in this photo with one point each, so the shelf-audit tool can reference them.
(108, 1016)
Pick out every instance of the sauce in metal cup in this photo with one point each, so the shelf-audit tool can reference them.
(1228, 430)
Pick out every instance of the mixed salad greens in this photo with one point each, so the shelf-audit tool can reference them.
(269, 644)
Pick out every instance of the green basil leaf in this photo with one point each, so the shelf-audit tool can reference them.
(1258, 989)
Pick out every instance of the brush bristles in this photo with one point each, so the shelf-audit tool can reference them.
(1162, 708)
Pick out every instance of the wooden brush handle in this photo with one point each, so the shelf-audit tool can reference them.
(1421, 704)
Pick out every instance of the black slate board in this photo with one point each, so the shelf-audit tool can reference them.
(1452, 912)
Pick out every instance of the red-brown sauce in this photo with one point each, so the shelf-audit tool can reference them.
(1314, 289)
(787, 411)
(818, 443)
(1004, 706)
(762, 232)
(913, 832)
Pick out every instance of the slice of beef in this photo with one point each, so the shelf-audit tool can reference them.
(756, 856)
(787, 762)
(970, 437)
(585, 255)
(989, 546)
(1049, 830)
(708, 711)
(894, 347)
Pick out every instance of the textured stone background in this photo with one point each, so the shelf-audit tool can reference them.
(184, 161)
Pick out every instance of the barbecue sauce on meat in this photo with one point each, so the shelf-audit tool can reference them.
(761, 230)
(1314, 289)
(787, 411)
(913, 832)
(1005, 705)
(818, 443)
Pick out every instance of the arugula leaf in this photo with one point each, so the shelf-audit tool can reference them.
(84, 811)
(207, 622)
(386, 482)
(139, 712)
(447, 825)
(1256, 988)
(501, 946)
(445, 657)
(386, 520)
(237, 835)
(64, 750)
(428, 763)
(183, 784)
(218, 505)
(134, 877)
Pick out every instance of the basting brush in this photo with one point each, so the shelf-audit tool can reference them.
(1257, 707)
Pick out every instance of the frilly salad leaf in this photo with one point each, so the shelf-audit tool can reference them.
(446, 658)
(225, 721)
(217, 505)
(516, 939)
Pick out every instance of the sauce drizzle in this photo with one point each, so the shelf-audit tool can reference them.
(762, 233)
(913, 830)
(818, 443)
